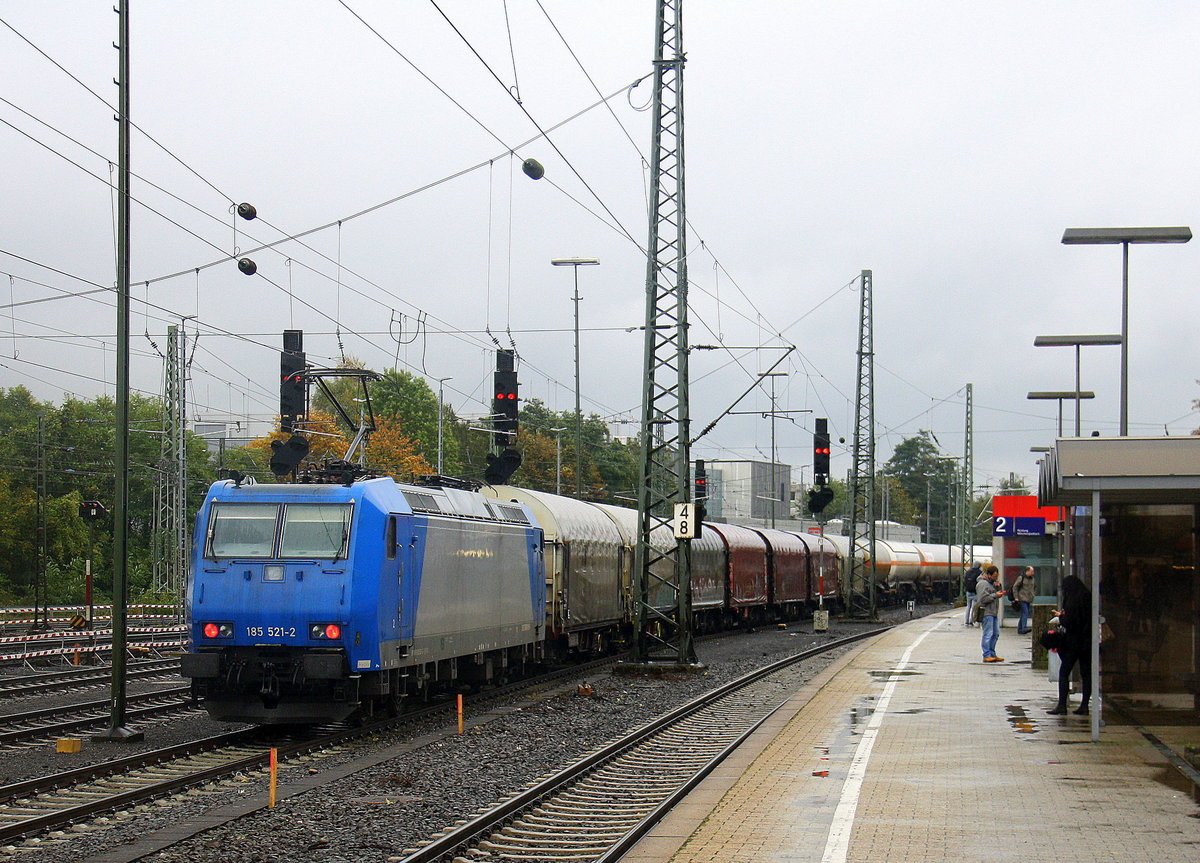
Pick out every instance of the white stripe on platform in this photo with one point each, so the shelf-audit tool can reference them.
(837, 846)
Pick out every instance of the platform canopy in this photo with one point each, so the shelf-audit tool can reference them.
(1145, 470)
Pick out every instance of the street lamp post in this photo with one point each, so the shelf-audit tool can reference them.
(775, 485)
(558, 458)
(1061, 396)
(440, 381)
(575, 264)
(1125, 236)
(1077, 342)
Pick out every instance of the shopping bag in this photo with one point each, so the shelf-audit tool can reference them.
(1055, 665)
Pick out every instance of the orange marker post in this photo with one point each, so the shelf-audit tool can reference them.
(274, 777)
(460, 714)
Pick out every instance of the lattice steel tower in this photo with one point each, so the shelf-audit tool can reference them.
(171, 535)
(860, 581)
(662, 598)
(968, 486)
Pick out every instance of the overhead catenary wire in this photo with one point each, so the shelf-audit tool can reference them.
(716, 261)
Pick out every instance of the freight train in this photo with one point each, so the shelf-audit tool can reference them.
(312, 603)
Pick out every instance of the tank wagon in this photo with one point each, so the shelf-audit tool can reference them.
(911, 570)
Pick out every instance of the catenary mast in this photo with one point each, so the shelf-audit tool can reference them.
(860, 581)
(662, 589)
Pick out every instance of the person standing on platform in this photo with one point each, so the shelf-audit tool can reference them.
(969, 580)
(1024, 590)
(987, 594)
(1075, 621)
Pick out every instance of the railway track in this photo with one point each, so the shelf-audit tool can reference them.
(35, 726)
(81, 677)
(597, 808)
(38, 805)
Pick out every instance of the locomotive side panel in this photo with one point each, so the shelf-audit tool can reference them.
(474, 589)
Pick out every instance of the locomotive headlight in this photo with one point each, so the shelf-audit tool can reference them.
(217, 630)
(324, 631)
(273, 572)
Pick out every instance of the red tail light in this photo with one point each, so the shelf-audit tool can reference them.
(211, 630)
(333, 631)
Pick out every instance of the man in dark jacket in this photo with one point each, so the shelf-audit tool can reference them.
(969, 581)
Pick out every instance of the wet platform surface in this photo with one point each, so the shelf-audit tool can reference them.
(909, 748)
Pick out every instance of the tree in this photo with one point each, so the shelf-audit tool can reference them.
(389, 451)
(929, 480)
(412, 406)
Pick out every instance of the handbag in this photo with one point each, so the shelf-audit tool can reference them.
(977, 613)
(1053, 639)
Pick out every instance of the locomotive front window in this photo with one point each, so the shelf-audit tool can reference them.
(243, 529)
(318, 530)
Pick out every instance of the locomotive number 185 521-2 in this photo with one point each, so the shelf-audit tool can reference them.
(270, 631)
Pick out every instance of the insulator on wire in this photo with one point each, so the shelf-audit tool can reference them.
(533, 169)
(247, 266)
(246, 211)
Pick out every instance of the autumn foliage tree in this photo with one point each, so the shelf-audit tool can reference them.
(389, 450)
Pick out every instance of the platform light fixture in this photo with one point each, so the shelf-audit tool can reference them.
(1076, 342)
(1125, 236)
(1061, 396)
(575, 264)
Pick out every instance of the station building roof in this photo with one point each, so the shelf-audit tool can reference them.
(1145, 470)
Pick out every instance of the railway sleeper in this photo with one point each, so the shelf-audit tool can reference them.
(575, 841)
(521, 852)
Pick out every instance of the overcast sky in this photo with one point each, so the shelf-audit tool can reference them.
(943, 145)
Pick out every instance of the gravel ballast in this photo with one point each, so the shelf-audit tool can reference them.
(394, 794)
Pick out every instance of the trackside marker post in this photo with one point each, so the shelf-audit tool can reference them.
(274, 778)
(460, 714)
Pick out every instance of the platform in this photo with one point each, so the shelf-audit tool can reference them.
(909, 748)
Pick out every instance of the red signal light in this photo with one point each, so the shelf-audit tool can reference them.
(211, 630)
(333, 631)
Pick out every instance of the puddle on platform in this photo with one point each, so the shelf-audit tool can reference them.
(885, 675)
(1019, 719)
(860, 714)
(914, 710)
(1175, 779)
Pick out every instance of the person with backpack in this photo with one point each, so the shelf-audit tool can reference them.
(969, 580)
(1024, 590)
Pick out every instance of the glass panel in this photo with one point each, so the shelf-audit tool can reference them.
(318, 530)
(243, 529)
(1150, 598)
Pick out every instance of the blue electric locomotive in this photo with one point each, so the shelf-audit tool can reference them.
(310, 602)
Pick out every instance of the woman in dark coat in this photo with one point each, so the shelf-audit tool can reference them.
(1075, 616)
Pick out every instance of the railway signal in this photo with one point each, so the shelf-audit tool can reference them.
(506, 406)
(819, 498)
(293, 391)
(506, 402)
(821, 452)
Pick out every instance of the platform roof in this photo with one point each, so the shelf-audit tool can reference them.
(1124, 469)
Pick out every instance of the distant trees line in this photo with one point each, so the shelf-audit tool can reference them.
(77, 442)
